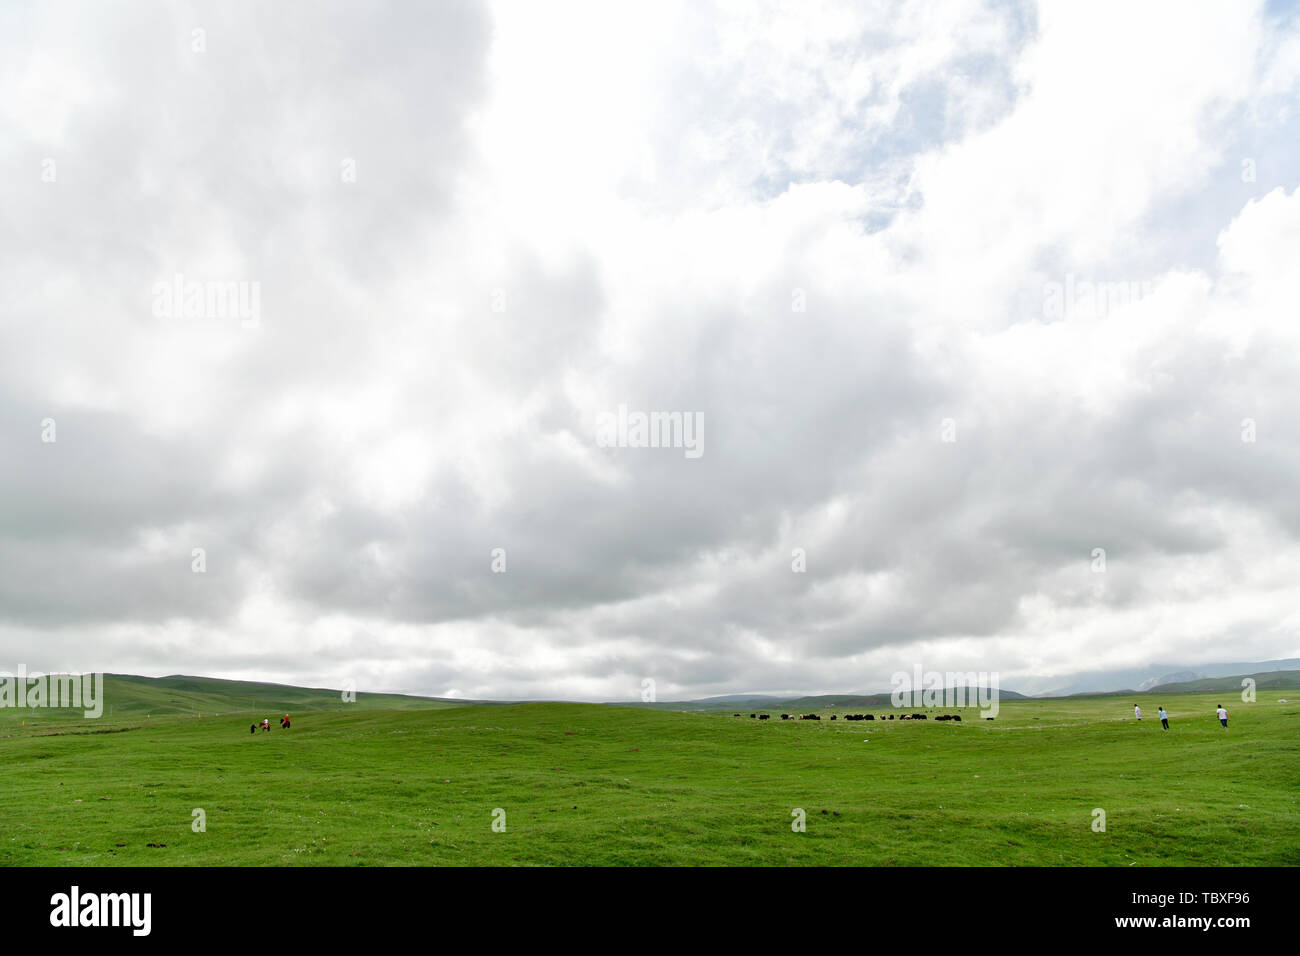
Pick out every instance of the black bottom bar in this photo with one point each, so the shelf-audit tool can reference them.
(336, 906)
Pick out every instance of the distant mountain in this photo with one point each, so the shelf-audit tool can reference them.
(736, 700)
(1120, 680)
(126, 695)
(773, 702)
(1264, 680)
(1175, 678)
(884, 700)
(1105, 681)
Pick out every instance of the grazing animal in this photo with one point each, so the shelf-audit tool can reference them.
(785, 716)
(762, 716)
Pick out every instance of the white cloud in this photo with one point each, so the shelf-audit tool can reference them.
(559, 210)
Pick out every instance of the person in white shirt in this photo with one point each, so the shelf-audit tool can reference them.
(1137, 711)
(1223, 716)
(1164, 717)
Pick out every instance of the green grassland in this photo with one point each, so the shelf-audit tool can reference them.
(371, 784)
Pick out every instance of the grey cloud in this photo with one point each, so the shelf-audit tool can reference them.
(269, 447)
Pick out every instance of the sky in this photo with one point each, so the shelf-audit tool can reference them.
(314, 317)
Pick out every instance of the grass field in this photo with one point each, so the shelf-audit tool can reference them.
(591, 784)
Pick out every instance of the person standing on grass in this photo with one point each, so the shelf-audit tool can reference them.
(1223, 716)
(1137, 711)
(1164, 717)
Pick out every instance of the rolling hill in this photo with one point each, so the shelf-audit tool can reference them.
(126, 695)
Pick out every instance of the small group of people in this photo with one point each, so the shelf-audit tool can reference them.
(1221, 713)
(266, 724)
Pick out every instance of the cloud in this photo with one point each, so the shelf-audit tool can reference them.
(961, 293)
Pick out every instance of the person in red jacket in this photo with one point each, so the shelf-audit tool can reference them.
(284, 722)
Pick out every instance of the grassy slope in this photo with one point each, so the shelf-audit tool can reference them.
(130, 696)
(608, 785)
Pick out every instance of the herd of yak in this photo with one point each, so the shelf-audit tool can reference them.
(956, 717)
